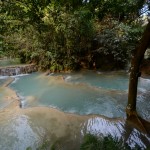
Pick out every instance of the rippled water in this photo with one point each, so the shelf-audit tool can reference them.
(81, 93)
(85, 92)
(78, 93)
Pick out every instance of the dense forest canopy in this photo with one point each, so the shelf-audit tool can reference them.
(70, 34)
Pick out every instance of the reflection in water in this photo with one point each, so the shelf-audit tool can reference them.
(21, 128)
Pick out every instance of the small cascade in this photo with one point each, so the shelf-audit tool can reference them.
(16, 70)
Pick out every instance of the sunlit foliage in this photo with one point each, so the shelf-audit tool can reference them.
(60, 35)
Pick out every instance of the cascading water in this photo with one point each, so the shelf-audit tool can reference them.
(16, 70)
(85, 93)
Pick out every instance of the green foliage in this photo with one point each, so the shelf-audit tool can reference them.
(56, 35)
(8, 62)
(120, 10)
(44, 146)
(91, 142)
(68, 35)
(117, 40)
(47, 146)
(58, 47)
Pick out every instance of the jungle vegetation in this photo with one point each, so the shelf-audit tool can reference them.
(68, 35)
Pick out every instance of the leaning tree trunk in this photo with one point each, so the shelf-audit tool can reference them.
(135, 71)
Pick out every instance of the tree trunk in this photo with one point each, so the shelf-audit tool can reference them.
(135, 71)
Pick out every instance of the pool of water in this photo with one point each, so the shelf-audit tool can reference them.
(110, 81)
(83, 93)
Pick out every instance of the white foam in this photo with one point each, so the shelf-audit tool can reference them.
(16, 79)
(68, 78)
(98, 72)
(19, 75)
(3, 77)
(51, 74)
(144, 79)
(143, 90)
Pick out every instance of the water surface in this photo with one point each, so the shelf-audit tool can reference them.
(84, 92)
(80, 93)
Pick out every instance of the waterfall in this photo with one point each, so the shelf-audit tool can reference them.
(16, 70)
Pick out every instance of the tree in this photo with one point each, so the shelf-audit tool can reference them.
(135, 73)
